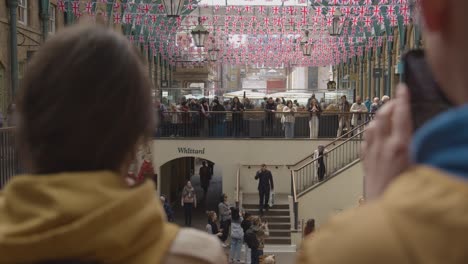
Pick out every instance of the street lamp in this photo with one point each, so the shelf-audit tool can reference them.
(306, 46)
(336, 27)
(173, 7)
(199, 34)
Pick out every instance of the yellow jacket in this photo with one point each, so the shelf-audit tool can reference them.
(421, 218)
(87, 216)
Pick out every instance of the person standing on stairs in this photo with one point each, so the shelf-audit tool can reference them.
(321, 155)
(225, 217)
(265, 185)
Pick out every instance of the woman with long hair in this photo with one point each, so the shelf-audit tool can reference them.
(212, 226)
(237, 235)
(225, 217)
(84, 108)
(189, 201)
(314, 114)
(309, 227)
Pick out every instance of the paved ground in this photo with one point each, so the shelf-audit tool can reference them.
(284, 254)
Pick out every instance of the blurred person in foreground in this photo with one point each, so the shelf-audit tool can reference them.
(83, 109)
(417, 184)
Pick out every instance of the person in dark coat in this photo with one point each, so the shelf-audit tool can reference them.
(270, 109)
(237, 109)
(217, 120)
(265, 185)
(205, 177)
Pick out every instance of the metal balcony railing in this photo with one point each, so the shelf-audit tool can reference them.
(9, 158)
(251, 124)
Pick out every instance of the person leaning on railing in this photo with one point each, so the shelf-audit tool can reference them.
(218, 118)
(416, 183)
(288, 119)
(237, 109)
(359, 111)
(344, 117)
(314, 110)
(80, 123)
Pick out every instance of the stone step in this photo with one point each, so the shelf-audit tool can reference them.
(278, 241)
(272, 212)
(280, 233)
(279, 226)
(277, 219)
(257, 207)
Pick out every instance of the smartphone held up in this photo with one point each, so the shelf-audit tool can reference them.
(427, 100)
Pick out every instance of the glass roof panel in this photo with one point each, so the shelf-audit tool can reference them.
(254, 2)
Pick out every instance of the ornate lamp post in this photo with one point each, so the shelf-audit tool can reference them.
(173, 7)
(336, 27)
(199, 34)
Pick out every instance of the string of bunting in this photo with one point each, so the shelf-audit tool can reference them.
(260, 34)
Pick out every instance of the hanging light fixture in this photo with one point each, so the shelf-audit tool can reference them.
(336, 27)
(306, 45)
(173, 7)
(199, 34)
(213, 52)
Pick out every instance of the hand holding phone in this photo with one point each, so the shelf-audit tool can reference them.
(426, 98)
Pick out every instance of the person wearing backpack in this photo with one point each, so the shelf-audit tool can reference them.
(255, 238)
(246, 224)
(237, 235)
(252, 242)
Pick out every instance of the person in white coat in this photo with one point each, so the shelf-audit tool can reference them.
(358, 109)
(289, 119)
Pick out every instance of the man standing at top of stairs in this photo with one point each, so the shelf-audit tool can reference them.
(265, 184)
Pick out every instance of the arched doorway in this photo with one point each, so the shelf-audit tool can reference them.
(174, 176)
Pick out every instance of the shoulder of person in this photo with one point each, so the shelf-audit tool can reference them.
(361, 235)
(187, 249)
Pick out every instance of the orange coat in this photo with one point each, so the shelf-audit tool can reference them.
(421, 218)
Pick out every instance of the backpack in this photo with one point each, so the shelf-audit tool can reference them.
(251, 240)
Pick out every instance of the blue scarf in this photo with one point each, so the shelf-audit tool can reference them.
(443, 142)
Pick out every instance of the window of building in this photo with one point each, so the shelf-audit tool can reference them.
(23, 11)
(52, 21)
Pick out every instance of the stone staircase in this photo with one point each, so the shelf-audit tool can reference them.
(279, 221)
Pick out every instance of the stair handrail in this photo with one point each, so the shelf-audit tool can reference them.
(294, 176)
(369, 115)
(294, 197)
(332, 149)
(238, 188)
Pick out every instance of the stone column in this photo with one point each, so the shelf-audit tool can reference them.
(13, 6)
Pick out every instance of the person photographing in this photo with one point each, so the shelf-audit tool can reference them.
(265, 185)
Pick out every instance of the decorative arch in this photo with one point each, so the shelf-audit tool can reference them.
(176, 172)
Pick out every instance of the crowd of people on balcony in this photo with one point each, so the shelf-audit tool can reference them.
(278, 118)
(272, 118)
